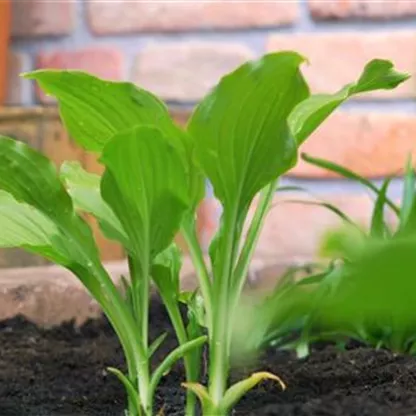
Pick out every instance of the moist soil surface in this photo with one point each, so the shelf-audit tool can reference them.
(61, 372)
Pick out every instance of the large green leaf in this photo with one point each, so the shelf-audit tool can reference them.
(94, 110)
(241, 133)
(145, 184)
(23, 226)
(31, 179)
(166, 273)
(84, 188)
(307, 116)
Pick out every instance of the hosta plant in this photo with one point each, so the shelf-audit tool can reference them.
(242, 137)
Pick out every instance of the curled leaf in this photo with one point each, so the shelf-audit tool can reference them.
(235, 392)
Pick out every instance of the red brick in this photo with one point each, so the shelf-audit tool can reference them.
(42, 18)
(338, 58)
(126, 16)
(185, 71)
(372, 144)
(107, 63)
(293, 232)
(14, 81)
(350, 9)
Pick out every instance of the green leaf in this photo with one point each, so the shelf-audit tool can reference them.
(94, 110)
(241, 133)
(174, 356)
(157, 343)
(376, 292)
(166, 272)
(408, 205)
(196, 310)
(25, 227)
(379, 74)
(348, 174)
(238, 390)
(309, 114)
(32, 179)
(202, 393)
(130, 389)
(378, 226)
(150, 207)
(345, 242)
(323, 204)
(128, 294)
(290, 189)
(84, 188)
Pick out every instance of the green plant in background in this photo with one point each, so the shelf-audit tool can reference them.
(382, 315)
(242, 137)
(335, 304)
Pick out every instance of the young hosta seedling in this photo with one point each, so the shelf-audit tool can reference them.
(242, 137)
(38, 214)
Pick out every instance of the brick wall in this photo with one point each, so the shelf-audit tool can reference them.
(180, 49)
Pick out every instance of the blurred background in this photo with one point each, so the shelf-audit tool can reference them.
(179, 49)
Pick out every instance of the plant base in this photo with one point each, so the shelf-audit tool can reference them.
(61, 372)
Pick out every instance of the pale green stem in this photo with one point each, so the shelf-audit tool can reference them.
(123, 324)
(191, 372)
(139, 274)
(189, 233)
(218, 343)
(251, 240)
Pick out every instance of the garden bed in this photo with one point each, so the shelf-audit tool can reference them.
(60, 371)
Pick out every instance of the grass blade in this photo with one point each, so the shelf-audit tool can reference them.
(174, 356)
(134, 399)
(326, 205)
(378, 227)
(408, 197)
(348, 174)
(157, 343)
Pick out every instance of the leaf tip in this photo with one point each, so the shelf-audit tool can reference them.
(264, 375)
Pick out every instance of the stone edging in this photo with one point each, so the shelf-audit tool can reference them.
(50, 295)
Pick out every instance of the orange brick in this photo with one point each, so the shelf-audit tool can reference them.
(125, 16)
(337, 59)
(293, 231)
(57, 145)
(372, 144)
(42, 18)
(350, 9)
(109, 250)
(185, 71)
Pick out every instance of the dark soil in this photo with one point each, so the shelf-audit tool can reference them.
(61, 372)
